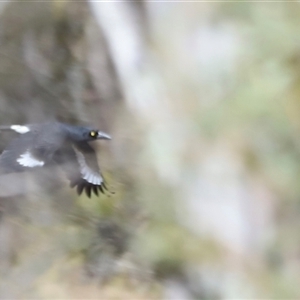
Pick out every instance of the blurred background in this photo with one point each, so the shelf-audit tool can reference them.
(203, 103)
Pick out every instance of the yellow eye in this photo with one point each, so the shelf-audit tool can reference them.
(93, 133)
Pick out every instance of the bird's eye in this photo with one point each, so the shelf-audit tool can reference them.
(93, 133)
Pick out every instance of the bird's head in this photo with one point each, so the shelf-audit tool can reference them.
(86, 134)
(97, 135)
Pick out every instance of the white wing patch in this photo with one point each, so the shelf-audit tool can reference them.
(20, 129)
(86, 172)
(27, 160)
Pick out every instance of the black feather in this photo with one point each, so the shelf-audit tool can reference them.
(88, 190)
(95, 189)
(101, 189)
(80, 188)
(104, 185)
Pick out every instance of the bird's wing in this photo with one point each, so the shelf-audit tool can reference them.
(79, 162)
(22, 155)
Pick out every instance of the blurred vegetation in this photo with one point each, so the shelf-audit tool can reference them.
(203, 103)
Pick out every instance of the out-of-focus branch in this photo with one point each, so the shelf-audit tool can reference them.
(121, 30)
(3, 5)
(140, 80)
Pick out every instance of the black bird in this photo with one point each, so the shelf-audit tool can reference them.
(41, 145)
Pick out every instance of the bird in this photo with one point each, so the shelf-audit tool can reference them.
(54, 143)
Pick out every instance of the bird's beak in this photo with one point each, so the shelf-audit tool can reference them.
(103, 136)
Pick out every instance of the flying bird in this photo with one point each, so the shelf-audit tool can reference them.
(42, 145)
